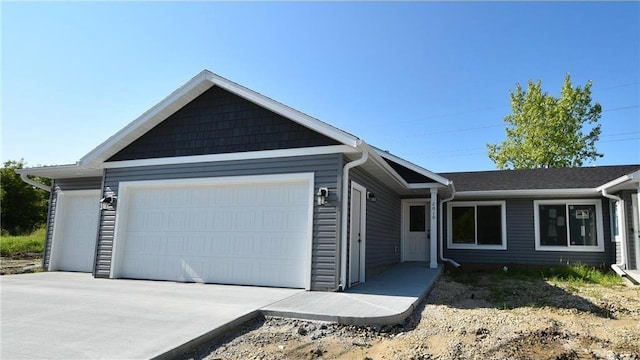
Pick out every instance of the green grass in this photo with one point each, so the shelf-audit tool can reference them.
(579, 275)
(557, 286)
(19, 246)
(575, 275)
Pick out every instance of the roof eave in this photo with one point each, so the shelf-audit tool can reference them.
(620, 182)
(528, 193)
(61, 171)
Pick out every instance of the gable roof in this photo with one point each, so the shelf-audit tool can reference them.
(398, 173)
(188, 92)
(409, 171)
(576, 180)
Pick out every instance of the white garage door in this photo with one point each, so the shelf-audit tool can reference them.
(248, 231)
(74, 230)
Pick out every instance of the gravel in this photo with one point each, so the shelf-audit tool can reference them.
(516, 319)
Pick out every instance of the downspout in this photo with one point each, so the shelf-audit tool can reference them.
(343, 223)
(31, 182)
(617, 268)
(441, 251)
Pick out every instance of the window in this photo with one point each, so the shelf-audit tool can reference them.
(480, 225)
(568, 225)
(417, 218)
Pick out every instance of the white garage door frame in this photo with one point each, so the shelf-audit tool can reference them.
(62, 215)
(126, 187)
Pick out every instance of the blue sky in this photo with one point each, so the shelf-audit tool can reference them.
(428, 81)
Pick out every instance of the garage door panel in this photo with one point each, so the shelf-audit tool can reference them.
(237, 233)
(75, 231)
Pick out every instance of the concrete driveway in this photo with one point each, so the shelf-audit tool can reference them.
(59, 315)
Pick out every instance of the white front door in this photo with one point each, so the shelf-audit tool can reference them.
(357, 234)
(74, 230)
(415, 230)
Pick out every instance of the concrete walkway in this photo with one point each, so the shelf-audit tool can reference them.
(388, 298)
(61, 315)
(58, 315)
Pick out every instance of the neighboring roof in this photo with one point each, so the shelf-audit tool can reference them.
(538, 179)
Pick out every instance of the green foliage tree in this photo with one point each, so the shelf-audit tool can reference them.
(23, 208)
(548, 132)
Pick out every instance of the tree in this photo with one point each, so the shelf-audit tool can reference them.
(548, 132)
(23, 208)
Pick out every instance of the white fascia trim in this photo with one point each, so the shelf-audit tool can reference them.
(286, 111)
(149, 119)
(425, 185)
(373, 156)
(46, 169)
(412, 166)
(60, 171)
(527, 192)
(619, 181)
(249, 155)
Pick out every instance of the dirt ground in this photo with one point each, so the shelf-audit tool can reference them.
(17, 266)
(514, 319)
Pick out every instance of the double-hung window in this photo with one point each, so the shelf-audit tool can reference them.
(477, 225)
(568, 225)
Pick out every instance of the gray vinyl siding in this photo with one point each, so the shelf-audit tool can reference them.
(59, 185)
(383, 224)
(325, 218)
(521, 242)
(219, 122)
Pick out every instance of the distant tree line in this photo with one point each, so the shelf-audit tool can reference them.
(23, 207)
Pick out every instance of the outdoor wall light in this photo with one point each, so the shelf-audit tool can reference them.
(322, 195)
(371, 196)
(108, 202)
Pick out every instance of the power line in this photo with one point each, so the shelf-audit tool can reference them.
(621, 108)
(617, 140)
(616, 86)
(450, 131)
(478, 150)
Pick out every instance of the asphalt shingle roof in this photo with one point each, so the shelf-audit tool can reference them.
(560, 178)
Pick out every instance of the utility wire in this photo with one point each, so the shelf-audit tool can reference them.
(478, 150)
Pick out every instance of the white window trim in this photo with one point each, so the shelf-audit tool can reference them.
(503, 211)
(569, 247)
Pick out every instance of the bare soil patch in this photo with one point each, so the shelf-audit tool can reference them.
(514, 319)
(17, 266)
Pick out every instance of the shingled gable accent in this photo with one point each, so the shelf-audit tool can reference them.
(218, 122)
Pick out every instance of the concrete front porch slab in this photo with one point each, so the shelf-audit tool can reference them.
(388, 298)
